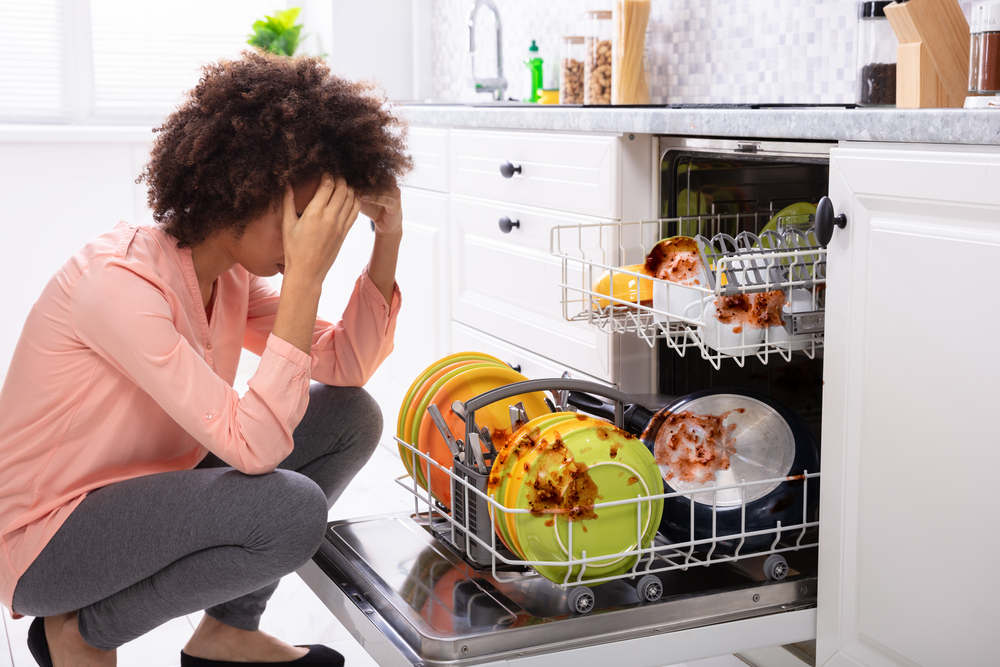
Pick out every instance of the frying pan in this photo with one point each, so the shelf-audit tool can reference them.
(764, 440)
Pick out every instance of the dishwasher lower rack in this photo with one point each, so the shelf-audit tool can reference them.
(470, 531)
(749, 267)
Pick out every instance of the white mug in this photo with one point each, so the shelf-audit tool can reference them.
(800, 301)
(736, 339)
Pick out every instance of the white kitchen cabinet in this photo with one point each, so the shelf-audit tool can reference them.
(507, 284)
(577, 173)
(909, 516)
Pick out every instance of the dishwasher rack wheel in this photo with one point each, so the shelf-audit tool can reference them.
(649, 588)
(580, 600)
(775, 567)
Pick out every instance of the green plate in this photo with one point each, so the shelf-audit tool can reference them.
(617, 467)
(520, 443)
(550, 433)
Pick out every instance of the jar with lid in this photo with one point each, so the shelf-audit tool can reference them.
(988, 74)
(597, 60)
(571, 76)
(876, 55)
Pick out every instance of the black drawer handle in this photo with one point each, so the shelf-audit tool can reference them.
(508, 170)
(506, 224)
(826, 221)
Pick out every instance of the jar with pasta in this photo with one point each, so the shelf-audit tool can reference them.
(629, 71)
(571, 71)
(597, 60)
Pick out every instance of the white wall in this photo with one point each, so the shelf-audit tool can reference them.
(60, 187)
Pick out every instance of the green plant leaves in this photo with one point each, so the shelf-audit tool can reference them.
(277, 34)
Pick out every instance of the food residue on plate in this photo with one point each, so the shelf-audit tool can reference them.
(755, 311)
(692, 447)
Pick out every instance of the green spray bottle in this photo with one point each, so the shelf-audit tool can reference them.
(534, 65)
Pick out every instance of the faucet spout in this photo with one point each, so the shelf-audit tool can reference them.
(498, 84)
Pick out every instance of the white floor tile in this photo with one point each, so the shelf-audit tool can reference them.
(6, 660)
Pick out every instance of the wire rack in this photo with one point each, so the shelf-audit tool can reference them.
(467, 534)
(745, 264)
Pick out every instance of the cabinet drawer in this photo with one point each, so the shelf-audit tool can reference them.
(508, 284)
(525, 362)
(568, 172)
(428, 147)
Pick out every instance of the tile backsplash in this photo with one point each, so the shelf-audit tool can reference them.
(700, 51)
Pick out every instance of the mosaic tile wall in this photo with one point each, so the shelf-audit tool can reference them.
(701, 51)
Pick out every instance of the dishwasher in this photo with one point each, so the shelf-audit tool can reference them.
(435, 587)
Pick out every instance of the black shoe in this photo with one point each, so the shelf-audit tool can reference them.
(318, 656)
(39, 645)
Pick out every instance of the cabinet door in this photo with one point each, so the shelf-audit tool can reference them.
(909, 514)
(507, 284)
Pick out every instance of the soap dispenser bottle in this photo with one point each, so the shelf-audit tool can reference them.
(534, 64)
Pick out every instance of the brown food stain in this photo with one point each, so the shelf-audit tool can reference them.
(632, 480)
(613, 450)
(602, 432)
(561, 485)
(676, 260)
(755, 311)
(550, 523)
(694, 447)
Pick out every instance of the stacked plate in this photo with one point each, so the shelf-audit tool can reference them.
(457, 377)
(557, 467)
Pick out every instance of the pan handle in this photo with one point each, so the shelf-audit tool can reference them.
(635, 419)
(528, 386)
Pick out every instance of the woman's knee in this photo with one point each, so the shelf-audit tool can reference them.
(293, 508)
(356, 409)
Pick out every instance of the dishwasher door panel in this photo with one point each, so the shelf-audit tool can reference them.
(409, 600)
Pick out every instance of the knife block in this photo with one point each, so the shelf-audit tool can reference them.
(932, 59)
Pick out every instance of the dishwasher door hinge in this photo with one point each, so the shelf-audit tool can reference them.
(748, 147)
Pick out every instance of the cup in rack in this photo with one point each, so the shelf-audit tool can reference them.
(731, 335)
(799, 301)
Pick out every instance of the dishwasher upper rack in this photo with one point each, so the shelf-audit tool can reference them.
(473, 534)
(741, 263)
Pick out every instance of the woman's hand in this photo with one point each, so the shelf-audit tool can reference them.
(313, 241)
(386, 211)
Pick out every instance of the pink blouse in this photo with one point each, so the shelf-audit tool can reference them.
(119, 373)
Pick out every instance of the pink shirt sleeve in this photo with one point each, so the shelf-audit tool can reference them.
(139, 337)
(345, 354)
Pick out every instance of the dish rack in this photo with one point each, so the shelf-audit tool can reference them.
(471, 530)
(744, 257)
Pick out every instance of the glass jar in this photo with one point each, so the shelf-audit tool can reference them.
(571, 76)
(597, 60)
(876, 55)
(974, 33)
(988, 79)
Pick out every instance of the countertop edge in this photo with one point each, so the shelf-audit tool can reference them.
(936, 126)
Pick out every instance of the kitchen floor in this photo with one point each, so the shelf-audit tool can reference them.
(294, 613)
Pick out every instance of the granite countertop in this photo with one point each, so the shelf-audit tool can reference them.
(941, 126)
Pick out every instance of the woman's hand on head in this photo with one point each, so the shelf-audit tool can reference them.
(313, 241)
(385, 210)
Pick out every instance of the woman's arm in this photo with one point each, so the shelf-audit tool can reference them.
(387, 213)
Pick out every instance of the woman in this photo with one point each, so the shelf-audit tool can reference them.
(136, 485)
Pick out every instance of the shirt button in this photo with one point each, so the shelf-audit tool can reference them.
(209, 415)
(208, 346)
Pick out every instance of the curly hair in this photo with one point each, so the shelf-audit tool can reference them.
(253, 125)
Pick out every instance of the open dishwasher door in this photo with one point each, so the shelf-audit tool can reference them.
(409, 599)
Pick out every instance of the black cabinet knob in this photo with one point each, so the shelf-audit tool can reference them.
(506, 224)
(826, 221)
(508, 170)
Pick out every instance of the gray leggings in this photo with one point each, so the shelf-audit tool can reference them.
(137, 553)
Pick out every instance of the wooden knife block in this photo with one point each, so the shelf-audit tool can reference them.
(932, 60)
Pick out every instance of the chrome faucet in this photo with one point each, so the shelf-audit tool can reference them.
(498, 84)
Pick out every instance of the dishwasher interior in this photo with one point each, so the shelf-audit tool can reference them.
(433, 587)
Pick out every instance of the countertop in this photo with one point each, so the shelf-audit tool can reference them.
(940, 126)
